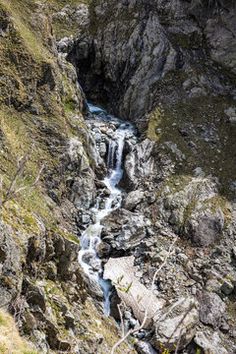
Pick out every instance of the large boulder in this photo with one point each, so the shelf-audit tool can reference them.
(193, 209)
(211, 309)
(124, 230)
(205, 227)
(176, 328)
(209, 343)
(140, 163)
(133, 199)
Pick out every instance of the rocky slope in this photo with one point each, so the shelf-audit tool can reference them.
(41, 115)
(169, 67)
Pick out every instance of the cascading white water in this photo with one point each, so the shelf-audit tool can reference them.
(91, 237)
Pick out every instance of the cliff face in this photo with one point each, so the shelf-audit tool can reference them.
(169, 67)
(137, 54)
(41, 114)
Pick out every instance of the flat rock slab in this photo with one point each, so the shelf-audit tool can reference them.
(121, 272)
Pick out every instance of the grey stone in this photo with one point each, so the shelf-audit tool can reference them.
(231, 113)
(211, 309)
(123, 229)
(178, 327)
(205, 227)
(210, 343)
(103, 249)
(227, 287)
(133, 199)
(143, 347)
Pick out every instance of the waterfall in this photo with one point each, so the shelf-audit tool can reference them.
(91, 237)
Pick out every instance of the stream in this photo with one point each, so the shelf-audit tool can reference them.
(91, 237)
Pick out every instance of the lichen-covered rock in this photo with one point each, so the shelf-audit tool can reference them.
(123, 229)
(124, 59)
(205, 227)
(211, 309)
(133, 199)
(210, 343)
(178, 327)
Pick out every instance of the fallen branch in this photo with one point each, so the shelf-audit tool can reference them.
(135, 330)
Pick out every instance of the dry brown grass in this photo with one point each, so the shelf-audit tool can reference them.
(10, 340)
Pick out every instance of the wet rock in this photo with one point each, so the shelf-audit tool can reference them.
(103, 249)
(85, 219)
(102, 149)
(139, 163)
(227, 287)
(211, 309)
(144, 347)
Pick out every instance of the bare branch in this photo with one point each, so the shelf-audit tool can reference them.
(21, 189)
(135, 330)
(121, 319)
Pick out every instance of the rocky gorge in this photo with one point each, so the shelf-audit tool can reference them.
(135, 213)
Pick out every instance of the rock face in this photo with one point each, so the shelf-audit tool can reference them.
(169, 66)
(124, 59)
(42, 122)
(178, 329)
(174, 325)
(212, 309)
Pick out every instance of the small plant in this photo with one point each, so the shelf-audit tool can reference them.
(164, 350)
(121, 287)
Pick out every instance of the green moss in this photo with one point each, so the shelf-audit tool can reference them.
(60, 26)
(65, 234)
(3, 320)
(19, 11)
(196, 115)
(69, 106)
(154, 121)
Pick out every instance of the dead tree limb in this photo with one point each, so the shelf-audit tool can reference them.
(135, 330)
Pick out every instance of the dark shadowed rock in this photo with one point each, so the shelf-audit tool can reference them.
(211, 309)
